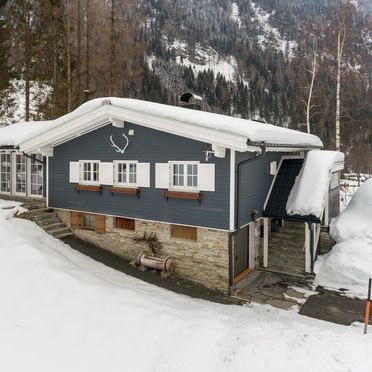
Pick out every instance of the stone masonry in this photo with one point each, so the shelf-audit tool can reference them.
(204, 261)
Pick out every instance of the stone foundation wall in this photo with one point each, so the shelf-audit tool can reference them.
(204, 261)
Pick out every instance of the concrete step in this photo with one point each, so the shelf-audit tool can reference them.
(36, 212)
(59, 230)
(48, 221)
(62, 235)
(54, 226)
(43, 216)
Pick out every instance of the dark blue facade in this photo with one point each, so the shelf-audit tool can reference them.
(255, 182)
(150, 146)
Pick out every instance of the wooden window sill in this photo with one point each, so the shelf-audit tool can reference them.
(79, 188)
(124, 190)
(183, 195)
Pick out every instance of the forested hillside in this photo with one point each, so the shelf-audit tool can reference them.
(255, 59)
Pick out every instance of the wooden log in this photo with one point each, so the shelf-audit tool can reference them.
(163, 264)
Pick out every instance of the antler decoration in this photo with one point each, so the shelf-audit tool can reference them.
(117, 148)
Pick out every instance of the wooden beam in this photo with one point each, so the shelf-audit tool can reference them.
(266, 243)
(307, 249)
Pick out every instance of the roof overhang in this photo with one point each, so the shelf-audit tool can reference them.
(110, 114)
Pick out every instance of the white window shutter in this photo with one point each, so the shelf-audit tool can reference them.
(206, 177)
(143, 174)
(106, 173)
(74, 171)
(162, 175)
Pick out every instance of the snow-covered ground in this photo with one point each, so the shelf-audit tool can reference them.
(349, 264)
(62, 311)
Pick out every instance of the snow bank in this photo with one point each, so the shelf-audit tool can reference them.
(349, 264)
(356, 219)
(309, 192)
(62, 311)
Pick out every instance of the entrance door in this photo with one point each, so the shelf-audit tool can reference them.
(36, 177)
(5, 173)
(241, 251)
(19, 174)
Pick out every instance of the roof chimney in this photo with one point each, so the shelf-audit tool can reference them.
(191, 101)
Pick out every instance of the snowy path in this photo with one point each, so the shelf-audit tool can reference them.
(62, 311)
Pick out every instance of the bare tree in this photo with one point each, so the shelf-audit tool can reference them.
(341, 32)
(309, 106)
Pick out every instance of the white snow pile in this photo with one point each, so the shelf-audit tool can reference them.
(62, 311)
(349, 264)
(14, 134)
(308, 195)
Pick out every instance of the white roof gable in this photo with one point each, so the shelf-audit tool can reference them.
(207, 127)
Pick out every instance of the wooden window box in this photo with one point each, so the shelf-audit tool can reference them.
(79, 188)
(183, 195)
(124, 190)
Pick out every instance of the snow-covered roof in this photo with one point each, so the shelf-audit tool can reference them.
(308, 195)
(220, 130)
(12, 135)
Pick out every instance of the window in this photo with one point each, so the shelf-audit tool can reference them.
(36, 176)
(184, 232)
(125, 223)
(89, 221)
(334, 180)
(184, 176)
(20, 174)
(5, 172)
(89, 172)
(125, 173)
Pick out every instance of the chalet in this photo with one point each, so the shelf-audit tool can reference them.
(215, 189)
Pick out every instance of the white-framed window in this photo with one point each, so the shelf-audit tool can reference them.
(125, 173)
(89, 172)
(335, 181)
(5, 172)
(184, 175)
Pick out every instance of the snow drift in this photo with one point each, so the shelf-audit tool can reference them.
(349, 264)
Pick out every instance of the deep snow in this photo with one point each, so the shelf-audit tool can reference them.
(62, 311)
(349, 264)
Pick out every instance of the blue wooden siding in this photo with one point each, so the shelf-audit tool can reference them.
(150, 146)
(255, 182)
